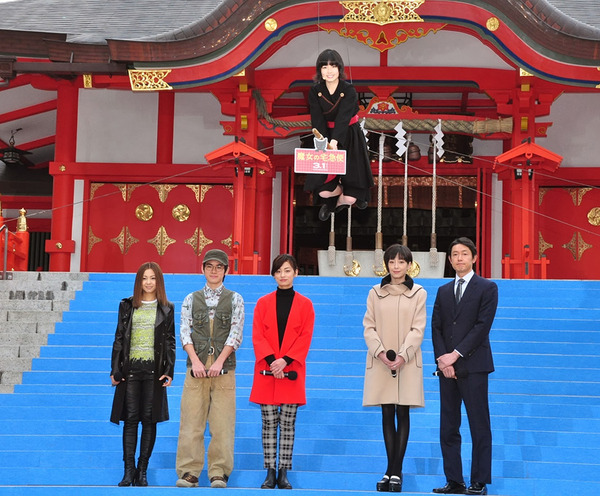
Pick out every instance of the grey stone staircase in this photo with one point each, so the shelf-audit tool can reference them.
(30, 305)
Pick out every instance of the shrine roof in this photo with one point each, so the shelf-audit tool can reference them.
(155, 31)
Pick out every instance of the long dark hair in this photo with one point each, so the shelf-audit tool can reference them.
(138, 290)
(329, 56)
(280, 260)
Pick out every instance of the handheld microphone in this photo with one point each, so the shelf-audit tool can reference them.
(292, 375)
(391, 356)
(223, 371)
(460, 373)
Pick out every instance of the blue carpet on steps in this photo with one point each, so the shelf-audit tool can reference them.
(55, 438)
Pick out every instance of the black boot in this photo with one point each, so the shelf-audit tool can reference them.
(129, 446)
(269, 482)
(129, 476)
(282, 480)
(147, 441)
(141, 477)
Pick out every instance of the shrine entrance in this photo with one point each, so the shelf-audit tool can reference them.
(456, 215)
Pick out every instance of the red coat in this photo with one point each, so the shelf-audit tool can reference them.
(267, 390)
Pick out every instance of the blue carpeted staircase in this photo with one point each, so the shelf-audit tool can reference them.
(55, 437)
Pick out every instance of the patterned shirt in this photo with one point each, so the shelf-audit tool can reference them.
(141, 352)
(212, 299)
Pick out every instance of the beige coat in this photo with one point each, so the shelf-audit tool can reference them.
(395, 320)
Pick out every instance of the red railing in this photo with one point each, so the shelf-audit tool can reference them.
(14, 247)
(525, 267)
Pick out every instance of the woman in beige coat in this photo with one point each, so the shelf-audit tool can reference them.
(394, 327)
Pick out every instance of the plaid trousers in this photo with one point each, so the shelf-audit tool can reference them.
(283, 416)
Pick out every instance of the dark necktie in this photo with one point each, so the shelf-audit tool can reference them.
(459, 290)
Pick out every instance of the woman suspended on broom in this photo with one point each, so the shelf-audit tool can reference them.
(334, 113)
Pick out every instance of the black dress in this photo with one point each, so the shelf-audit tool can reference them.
(340, 108)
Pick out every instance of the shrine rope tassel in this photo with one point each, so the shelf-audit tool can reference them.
(378, 265)
(331, 247)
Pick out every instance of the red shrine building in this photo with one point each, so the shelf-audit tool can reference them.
(157, 131)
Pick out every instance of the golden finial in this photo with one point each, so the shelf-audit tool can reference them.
(22, 221)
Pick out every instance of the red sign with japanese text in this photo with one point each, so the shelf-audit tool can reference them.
(307, 161)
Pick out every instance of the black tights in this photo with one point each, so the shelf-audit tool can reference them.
(395, 439)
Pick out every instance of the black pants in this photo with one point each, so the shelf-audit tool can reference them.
(138, 403)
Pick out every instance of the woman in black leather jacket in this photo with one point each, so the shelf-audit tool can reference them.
(143, 362)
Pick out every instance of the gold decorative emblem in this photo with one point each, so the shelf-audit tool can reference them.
(198, 241)
(353, 270)
(93, 188)
(126, 190)
(492, 23)
(577, 246)
(161, 241)
(144, 212)
(124, 240)
(594, 216)
(543, 245)
(181, 212)
(382, 12)
(380, 272)
(141, 80)
(92, 239)
(577, 194)
(415, 269)
(196, 189)
(205, 188)
(270, 24)
(524, 73)
(163, 190)
(87, 81)
(227, 241)
(62, 168)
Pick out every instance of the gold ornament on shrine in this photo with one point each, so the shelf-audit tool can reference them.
(270, 24)
(382, 12)
(161, 241)
(593, 216)
(181, 212)
(492, 24)
(22, 221)
(144, 212)
(141, 80)
(415, 269)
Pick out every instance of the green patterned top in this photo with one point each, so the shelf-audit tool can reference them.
(141, 352)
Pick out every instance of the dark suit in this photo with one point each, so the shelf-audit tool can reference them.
(465, 328)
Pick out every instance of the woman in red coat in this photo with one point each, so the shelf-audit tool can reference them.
(281, 334)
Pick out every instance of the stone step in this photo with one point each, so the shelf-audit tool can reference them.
(48, 276)
(35, 293)
(11, 377)
(14, 365)
(37, 305)
(22, 339)
(34, 317)
(27, 327)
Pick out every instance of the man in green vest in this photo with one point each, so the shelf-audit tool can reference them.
(212, 320)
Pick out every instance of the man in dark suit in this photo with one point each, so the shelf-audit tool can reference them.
(462, 317)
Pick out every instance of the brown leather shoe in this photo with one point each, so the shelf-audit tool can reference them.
(188, 480)
(218, 481)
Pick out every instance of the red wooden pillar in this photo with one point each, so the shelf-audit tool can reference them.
(166, 123)
(60, 245)
(264, 204)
